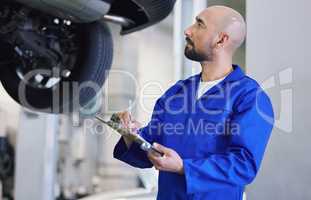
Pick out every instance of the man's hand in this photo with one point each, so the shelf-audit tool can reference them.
(129, 123)
(170, 162)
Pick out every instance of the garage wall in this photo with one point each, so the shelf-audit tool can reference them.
(277, 55)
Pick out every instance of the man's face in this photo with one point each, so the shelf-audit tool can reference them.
(199, 39)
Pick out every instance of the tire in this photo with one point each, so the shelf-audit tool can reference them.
(154, 11)
(92, 66)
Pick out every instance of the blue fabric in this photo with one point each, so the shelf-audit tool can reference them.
(221, 137)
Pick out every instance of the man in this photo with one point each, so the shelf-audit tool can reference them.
(213, 127)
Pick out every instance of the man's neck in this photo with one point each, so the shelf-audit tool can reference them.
(215, 70)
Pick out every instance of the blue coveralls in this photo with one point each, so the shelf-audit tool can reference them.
(221, 137)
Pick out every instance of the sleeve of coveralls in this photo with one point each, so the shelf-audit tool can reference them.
(239, 164)
(134, 155)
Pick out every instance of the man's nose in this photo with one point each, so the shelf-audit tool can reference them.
(187, 32)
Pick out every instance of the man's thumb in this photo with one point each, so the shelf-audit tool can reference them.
(160, 147)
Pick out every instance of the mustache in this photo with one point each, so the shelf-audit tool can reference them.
(189, 41)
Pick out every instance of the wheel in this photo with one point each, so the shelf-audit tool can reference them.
(55, 68)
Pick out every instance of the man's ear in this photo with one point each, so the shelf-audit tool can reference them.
(222, 39)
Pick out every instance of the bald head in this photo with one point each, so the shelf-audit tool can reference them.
(228, 21)
(216, 27)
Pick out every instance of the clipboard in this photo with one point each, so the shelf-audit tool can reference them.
(116, 126)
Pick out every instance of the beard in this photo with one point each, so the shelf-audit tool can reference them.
(192, 54)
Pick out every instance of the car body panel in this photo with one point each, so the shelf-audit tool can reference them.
(143, 13)
(82, 11)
